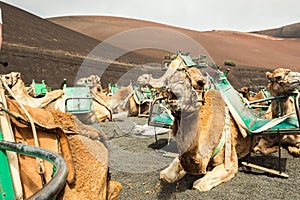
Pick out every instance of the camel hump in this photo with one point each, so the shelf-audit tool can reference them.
(50, 97)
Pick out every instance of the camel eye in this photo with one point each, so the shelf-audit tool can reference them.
(7, 77)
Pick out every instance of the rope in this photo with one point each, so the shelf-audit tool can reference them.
(39, 161)
(124, 101)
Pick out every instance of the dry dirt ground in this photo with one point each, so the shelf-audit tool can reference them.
(136, 162)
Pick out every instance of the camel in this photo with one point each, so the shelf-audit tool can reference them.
(55, 100)
(281, 82)
(197, 79)
(14, 81)
(199, 132)
(245, 91)
(122, 100)
(77, 143)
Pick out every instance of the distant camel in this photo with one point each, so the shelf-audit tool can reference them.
(122, 100)
(245, 91)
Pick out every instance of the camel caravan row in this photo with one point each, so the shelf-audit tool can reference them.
(88, 100)
(212, 124)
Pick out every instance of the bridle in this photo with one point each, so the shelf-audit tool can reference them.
(194, 96)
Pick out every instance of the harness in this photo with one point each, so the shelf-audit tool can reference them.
(225, 140)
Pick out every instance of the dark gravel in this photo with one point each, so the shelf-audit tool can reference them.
(137, 161)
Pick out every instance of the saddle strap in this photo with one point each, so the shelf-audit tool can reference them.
(225, 140)
(228, 139)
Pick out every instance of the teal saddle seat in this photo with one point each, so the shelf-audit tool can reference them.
(77, 99)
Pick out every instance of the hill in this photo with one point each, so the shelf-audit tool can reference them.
(245, 49)
(254, 53)
(42, 50)
(289, 31)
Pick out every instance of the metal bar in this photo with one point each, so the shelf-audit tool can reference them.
(297, 108)
(268, 99)
(78, 98)
(279, 150)
(283, 132)
(151, 108)
(54, 186)
(272, 171)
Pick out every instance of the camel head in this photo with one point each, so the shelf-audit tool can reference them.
(90, 81)
(244, 91)
(180, 94)
(11, 79)
(144, 79)
(282, 81)
(93, 81)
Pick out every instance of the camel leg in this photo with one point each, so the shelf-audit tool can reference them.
(217, 176)
(295, 151)
(265, 151)
(173, 172)
(113, 190)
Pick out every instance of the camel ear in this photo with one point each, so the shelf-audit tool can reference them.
(98, 79)
(268, 75)
(18, 75)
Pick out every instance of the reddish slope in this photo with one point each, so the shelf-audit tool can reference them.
(243, 48)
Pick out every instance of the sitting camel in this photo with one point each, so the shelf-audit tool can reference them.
(282, 82)
(14, 81)
(122, 100)
(207, 137)
(245, 91)
(54, 100)
(78, 144)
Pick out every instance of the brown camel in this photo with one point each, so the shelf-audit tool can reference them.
(122, 100)
(282, 82)
(79, 145)
(245, 91)
(14, 81)
(207, 137)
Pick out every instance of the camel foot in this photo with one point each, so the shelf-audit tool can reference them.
(173, 172)
(201, 187)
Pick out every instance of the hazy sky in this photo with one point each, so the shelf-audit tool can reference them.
(240, 15)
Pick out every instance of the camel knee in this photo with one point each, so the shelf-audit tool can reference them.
(173, 172)
(265, 151)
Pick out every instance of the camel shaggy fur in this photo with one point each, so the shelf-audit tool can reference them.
(198, 131)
